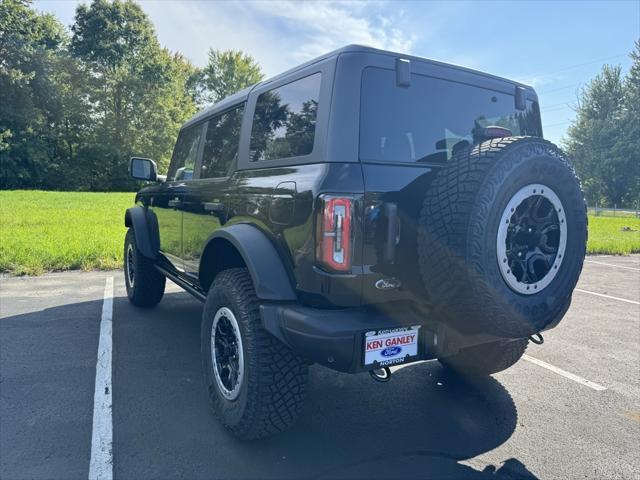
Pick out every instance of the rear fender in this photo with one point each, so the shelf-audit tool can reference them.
(267, 270)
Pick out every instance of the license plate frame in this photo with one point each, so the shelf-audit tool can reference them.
(387, 347)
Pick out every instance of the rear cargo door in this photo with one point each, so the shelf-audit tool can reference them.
(412, 120)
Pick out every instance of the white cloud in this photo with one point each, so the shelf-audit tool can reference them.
(322, 27)
(278, 34)
(537, 80)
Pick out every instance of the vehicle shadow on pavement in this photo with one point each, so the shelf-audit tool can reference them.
(421, 424)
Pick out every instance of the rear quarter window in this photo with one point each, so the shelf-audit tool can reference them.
(221, 143)
(284, 122)
(432, 118)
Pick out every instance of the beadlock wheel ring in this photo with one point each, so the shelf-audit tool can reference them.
(531, 239)
(227, 355)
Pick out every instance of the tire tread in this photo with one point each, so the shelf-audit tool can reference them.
(450, 253)
(277, 387)
(149, 283)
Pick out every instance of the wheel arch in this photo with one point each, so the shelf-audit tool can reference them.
(243, 245)
(145, 228)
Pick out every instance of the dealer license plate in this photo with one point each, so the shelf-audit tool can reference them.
(391, 346)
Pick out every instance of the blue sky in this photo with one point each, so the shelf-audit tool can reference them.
(554, 46)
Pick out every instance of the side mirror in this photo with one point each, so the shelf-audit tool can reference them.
(184, 173)
(143, 169)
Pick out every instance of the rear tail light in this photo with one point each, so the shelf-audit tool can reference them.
(334, 233)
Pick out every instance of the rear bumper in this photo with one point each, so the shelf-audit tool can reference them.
(335, 338)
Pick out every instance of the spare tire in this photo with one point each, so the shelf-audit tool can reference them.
(502, 237)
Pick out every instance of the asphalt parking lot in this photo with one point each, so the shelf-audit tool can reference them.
(570, 409)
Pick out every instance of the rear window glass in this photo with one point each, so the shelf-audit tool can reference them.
(284, 122)
(432, 118)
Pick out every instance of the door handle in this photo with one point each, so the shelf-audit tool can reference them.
(175, 203)
(215, 207)
(282, 196)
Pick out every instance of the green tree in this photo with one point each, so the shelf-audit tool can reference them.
(138, 95)
(596, 140)
(73, 109)
(31, 46)
(630, 142)
(226, 73)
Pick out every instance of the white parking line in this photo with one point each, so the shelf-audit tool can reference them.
(101, 465)
(612, 265)
(633, 302)
(540, 363)
(564, 373)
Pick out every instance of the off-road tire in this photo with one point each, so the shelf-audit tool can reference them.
(148, 284)
(458, 228)
(486, 359)
(273, 387)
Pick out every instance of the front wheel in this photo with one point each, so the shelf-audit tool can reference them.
(486, 359)
(145, 284)
(256, 384)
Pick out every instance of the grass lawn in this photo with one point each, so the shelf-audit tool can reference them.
(614, 235)
(49, 231)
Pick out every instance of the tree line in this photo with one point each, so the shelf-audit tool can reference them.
(603, 141)
(75, 105)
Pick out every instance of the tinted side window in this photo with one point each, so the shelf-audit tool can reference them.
(284, 122)
(221, 143)
(432, 118)
(184, 154)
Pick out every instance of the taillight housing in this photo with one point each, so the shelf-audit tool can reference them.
(334, 239)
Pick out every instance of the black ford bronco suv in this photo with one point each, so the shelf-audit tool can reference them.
(364, 210)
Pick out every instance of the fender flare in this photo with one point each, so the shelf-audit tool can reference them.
(267, 270)
(145, 227)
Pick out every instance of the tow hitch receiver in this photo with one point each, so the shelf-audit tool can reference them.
(537, 338)
(381, 375)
